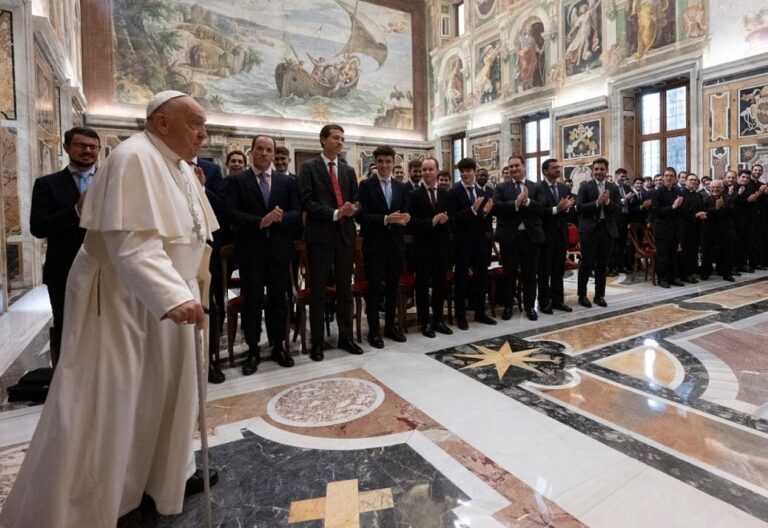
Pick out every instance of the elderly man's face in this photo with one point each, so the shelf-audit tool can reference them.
(716, 188)
(181, 126)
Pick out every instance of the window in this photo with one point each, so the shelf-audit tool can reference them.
(458, 151)
(445, 21)
(663, 129)
(459, 14)
(536, 135)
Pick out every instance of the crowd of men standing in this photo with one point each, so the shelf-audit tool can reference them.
(440, 231)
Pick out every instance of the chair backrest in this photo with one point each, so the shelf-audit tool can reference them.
(573, 235)
(636, 234)
(303, 276)
(224, 254)
(358, 263)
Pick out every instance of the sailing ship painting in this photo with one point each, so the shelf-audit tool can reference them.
(308, 60)
(335, 78)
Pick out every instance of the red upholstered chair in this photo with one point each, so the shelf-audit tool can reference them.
(300, 296)
(573, 254)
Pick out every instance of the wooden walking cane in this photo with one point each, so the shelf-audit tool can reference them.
(201, 383)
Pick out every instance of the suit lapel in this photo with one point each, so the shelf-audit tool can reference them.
(249, 177)
(380, 193)
(68, 186)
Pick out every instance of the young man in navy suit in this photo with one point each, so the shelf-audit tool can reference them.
(383, 215)
(55, 214)
(328, 194)
(263, 207)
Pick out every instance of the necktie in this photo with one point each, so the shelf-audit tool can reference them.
(388, 193)
(517, 186)
(624, 208)
(471, 191)
(85, 181)
(432, 198)
(264, 186)
(554, 192)
(335, 183)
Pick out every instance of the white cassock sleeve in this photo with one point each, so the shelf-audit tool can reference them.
(141, 262)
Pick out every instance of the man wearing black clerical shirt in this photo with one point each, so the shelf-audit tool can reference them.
(667, 227)
(55, 214)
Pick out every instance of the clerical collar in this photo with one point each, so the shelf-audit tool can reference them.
(164, 149)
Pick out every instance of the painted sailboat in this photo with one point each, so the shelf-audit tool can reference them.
(339, 77)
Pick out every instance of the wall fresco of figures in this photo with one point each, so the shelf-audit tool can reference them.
(318, 60)
(583, 36)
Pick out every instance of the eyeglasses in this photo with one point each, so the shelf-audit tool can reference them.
(85, 146)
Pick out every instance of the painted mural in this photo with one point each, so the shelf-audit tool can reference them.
(452, 86)
(583, 35)
(651, 24)
(484, 10)
(753, 111)
(305, 59)
(756, 26)
(530, 66)
(488, 72)
(7, 76)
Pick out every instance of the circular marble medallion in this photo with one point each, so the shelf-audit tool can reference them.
(324, 402)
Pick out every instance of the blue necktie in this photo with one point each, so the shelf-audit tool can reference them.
(85, 180)
(388, 193)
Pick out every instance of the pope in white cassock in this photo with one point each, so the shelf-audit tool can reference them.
(122, 408)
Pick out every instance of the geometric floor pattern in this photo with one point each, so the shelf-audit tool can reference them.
(651, 413)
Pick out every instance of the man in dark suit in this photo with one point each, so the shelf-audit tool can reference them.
(264, 209)
(598, 203)
(518, 209)
(667, 228)
(55, 214)
(719, 232)
(693, 205)
(473, 221)
(210, 177)
(382, 216)
(432, 219)
(556, 203)
(618, 259)
(328, 194)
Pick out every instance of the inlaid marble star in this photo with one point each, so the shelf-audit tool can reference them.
(504, 358)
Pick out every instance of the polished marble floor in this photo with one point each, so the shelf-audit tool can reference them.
(651, 413)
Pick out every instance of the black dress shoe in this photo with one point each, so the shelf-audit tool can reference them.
(251, 364)
(761, 268)
(583, 301)
(375, 341)
(426, 331)
(704, 277)
(729, 278)
(690, 279)
(506, 315)
(215, 375)
(746, 269)
(677, 282)
(600, 301)
(736, 274)
(195, 484)
(316, 352)
(483, 318)
(442, 328)
(462, 324)
(547, 309)
(562, 307)
(280, 357)
(612, 273)
(664, 284)
(395, 335)
(350, 346)
(532, 315)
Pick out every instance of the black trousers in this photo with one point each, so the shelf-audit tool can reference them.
(721, 251)
(255, 275)
(595, 250)
(475, 257)
(431, 269)
(618, 258)
(551, 271)
(519, 259)
(382, 270)
(666, 258)
(56, 291)
(689, 259)
(330, 261)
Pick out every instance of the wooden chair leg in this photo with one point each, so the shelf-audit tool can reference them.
(359, 318)
(492, 297)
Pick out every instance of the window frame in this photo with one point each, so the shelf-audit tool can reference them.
(538, 154)
(663, 134)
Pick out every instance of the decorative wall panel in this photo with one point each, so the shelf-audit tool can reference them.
(7, 74)
(9, 169)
